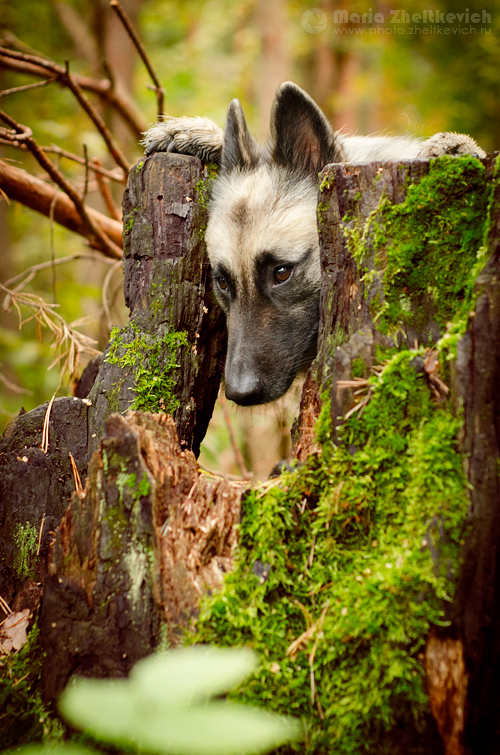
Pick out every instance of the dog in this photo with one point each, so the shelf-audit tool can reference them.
(262, 237)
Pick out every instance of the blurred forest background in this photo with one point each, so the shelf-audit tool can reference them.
(367, 77)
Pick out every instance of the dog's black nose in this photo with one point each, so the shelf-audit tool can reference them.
(247, 390)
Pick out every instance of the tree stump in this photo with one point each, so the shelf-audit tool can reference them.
(150, 534)
(170, 354)
(136, 550)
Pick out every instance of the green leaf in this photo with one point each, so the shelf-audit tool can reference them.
(58, 748)
(218, 728)
(191, 674)
(154, 711)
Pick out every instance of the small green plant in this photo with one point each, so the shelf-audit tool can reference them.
(165, 707)
(26, 540)
(23, 716)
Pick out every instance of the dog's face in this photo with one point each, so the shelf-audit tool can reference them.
(262, 242)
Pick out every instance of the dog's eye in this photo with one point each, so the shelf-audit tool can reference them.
(282, 273)
(222, 283)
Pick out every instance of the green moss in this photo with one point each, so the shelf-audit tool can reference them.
(358, 368)
(26, 540)
(359, 543)
(421, 257)
(130, 220)
(326, 182)
(24, 718)
(322, 212)
(154, 361)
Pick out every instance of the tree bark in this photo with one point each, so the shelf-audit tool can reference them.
(175, 325)
(34, 193)
(135, 550)
(476, 606)
(167, 288)
(463, 661)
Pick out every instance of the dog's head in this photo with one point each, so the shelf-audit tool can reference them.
(262, 242)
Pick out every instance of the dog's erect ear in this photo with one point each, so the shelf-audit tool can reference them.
(239, 149)
(301, 136)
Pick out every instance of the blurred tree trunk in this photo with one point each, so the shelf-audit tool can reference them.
(274, 62)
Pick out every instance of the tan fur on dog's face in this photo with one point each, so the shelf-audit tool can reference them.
(262, 241)
(262, 210)
(264, 220)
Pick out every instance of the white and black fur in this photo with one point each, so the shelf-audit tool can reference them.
(262, 238)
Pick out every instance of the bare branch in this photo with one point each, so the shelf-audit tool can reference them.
(64, 76)
(24, 133)
(22, 187)
(14, 388)
(142, 52)
(30, 272)
(94, 164)
(107, 196)
(27, 87)
(103, 88)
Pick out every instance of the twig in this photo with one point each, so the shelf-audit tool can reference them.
(52, 250)
(24, 133)
(313, 653)
(101, 87)
(76, 475)
(94, 164)
(234, 445)
(64, 76)
(105, 286)
(142, 52)
(106, 193)
(86, 184)
(46, 425)
(27, 87)
(14, 388)
(40, 534)
(30, 272)
(5, 606)
(69, 343)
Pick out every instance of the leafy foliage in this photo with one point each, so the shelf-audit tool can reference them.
(358, 545)
(165, 707)
(24, 718)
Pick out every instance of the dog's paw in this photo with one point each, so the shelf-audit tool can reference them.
(199, 137)
(450, 143)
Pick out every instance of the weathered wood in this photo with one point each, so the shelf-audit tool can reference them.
(347, 331)
(135, 550)
(35, 489)
(170, 354)
(463, 662)
(179, 338)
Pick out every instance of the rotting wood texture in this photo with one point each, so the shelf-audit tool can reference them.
(176, 332)
(135, 550)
